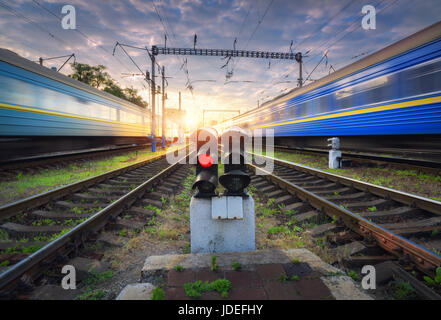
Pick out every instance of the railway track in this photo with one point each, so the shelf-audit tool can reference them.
(428, 166)
(43, 230)
(404, 225)
(10, 169)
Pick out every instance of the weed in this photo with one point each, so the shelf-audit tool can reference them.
(179, 268)
(158, 294)
(270, 202)
(96, 277)
(236, 266)
(195, 289)
(404, 291)
(320, 242)
(214, 266)
(279, 230)
(5, 263)
(354, 275)
(372, 209)
(152, 221)
(295, 260)
(150, 230)
(283, 277)
(4, 236)
(436, 280)
(92, 295)
(295, 277)
(187, 248)
(122, 233)
(156, 210)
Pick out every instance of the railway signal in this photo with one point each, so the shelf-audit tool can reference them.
(206, 164)
(235, 179)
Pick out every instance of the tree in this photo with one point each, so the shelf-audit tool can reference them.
(133, 96)
(113, 88)
(96, 77)
(91, 75)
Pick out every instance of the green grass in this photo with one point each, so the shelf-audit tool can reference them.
(279, 230)
(27, 184)
(158, 294)
(195, 289)
(436, 280)
(214, 266)
(354, 275)
(5, 263)
(404, 291)
(97, 277)
(412, 181)
(179, 268)
(92, 295)
(236, 266)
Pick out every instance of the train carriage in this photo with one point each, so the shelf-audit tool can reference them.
(42, 110)
(388, 99)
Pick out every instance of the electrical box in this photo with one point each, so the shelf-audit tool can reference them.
(227, 207)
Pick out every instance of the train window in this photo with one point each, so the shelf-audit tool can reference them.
(323, 104)
(422, 79)
(345, 98)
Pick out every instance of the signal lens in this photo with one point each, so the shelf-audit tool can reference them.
(205, 160)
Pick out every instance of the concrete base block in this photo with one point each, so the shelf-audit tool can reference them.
(223, 235)
(136, 291)
(334, 159)
(340, 286)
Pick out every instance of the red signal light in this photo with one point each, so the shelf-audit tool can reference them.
(205, 160)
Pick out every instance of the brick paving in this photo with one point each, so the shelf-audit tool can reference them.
(256, 282)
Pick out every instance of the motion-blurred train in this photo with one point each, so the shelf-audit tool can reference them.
(43, 111)
(388, 101)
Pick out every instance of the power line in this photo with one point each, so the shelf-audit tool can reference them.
(317, 30)
(355, 21)
(184, 62)
(82, 34)
(18, 14)
(259, 22)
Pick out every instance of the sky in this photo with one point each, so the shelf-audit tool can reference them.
(32, 28)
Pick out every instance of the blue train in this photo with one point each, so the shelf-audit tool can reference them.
(390, 99)
(42, 111)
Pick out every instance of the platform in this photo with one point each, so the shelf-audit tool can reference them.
(294, 274)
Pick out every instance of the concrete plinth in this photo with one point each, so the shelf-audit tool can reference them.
(334, 159)
(259, 277)
(220, 235)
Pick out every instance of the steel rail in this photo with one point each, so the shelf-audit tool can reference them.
(409, 199)
(32, 202)
(424, 259)
(407, 163)
(48, 159)
(77, 234)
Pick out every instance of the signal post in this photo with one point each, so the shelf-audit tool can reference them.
(221, 222)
